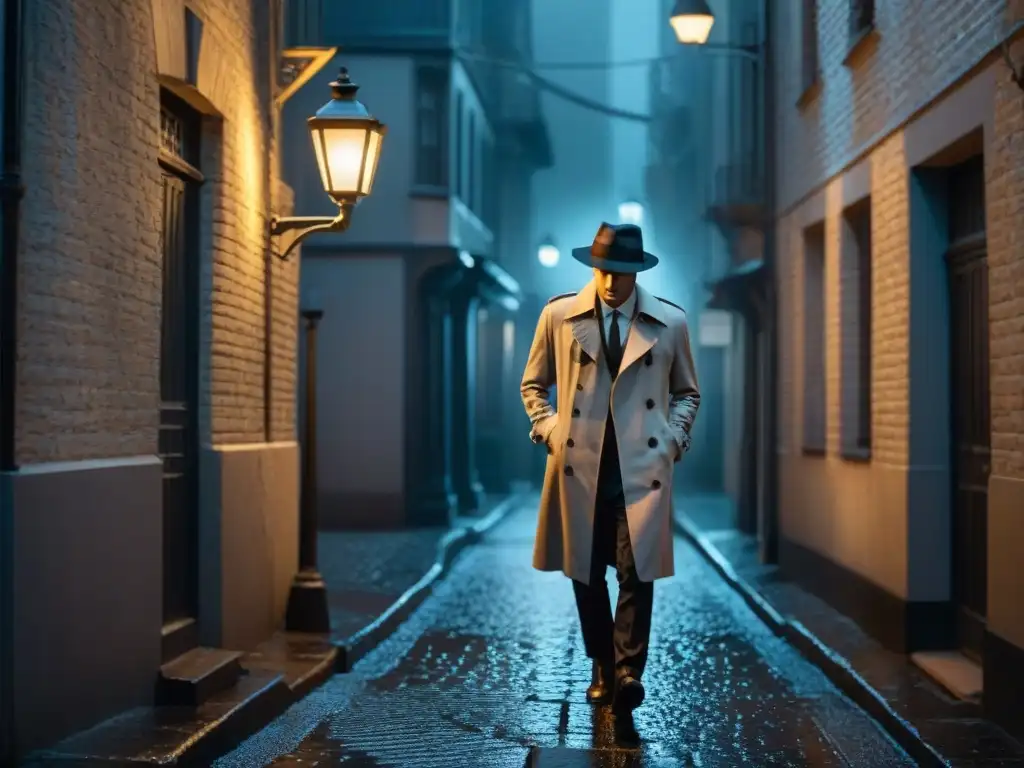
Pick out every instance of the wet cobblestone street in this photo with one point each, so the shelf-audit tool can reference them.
(493, 664)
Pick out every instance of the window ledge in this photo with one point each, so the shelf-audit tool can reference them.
(813, 450)
(809, 93)
(856, 454)
(862, 45)
(429, 190)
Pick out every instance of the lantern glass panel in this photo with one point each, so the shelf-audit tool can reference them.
(692, 28)
(340, 154)
(372, 157)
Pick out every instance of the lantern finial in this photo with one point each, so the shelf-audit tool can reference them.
(343, 88)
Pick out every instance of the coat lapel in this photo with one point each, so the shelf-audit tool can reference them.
(646, 329)
(583, 320)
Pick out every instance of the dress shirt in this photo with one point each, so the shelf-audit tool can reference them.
(625, 317)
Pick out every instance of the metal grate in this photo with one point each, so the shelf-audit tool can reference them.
(172, 134)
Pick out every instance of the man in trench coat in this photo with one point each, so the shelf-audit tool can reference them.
(627, 394)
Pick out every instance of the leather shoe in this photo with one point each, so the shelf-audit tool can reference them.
(600, 684)
(629, 693)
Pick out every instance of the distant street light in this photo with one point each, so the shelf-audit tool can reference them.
(692, 21)
(347, 142)
(547, 253)
(631, 212)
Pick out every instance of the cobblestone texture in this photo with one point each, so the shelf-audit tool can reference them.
(954, 728)
(493, 664)
(367, 571)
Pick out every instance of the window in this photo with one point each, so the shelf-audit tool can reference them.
(862, 17)
(855, 297)
(471, 153)
(810, 63)
(457, 148)
(431, 160)
(491, 190)
(814, 340)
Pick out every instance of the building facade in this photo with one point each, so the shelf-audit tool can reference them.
(150, 461)
(901, 398)
(706, 184)
(424, 265)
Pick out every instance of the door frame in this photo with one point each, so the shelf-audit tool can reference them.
(962, 258)
(967, 253)
(181, 635)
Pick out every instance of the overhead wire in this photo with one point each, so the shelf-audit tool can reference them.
(567, 94)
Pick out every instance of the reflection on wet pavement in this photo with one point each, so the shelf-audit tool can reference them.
(493, 665)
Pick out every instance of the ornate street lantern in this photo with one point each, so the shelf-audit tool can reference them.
(347, 142)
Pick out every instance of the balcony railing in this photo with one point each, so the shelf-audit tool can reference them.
(332, 23)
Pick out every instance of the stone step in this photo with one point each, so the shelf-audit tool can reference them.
(276, 674)
(194, 677)
(178, 736)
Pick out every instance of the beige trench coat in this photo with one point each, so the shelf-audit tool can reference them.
(654, 401)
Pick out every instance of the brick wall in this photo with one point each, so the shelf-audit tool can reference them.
(90, 287)
(90, 283)
(890, 305)
(1005, 200)
(239, 155)
(921, 47)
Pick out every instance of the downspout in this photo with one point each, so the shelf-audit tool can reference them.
(770, 536)
(12, 191)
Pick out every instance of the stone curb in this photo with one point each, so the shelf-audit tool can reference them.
(356, 646)
(836, 667)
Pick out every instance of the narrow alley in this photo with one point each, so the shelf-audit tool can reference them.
(492, 665)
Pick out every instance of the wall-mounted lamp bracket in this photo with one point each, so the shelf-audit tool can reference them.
(1016, 73)
(310, 225)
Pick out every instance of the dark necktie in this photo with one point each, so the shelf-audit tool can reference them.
(615, 343)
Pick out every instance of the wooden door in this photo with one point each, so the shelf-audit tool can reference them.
(179, 352)
(971, 423)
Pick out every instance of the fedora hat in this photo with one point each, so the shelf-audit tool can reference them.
(616, 248)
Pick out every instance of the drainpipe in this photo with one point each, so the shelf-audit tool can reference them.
(11, 191)
(770, 532)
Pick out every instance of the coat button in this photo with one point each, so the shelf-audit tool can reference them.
(575, 411)
(579, 387)
(650, 404)
(648, 360)
(568, 471)
(655, 485)
(653, 442)
(570, 442)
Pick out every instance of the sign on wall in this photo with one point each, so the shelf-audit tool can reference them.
(715, 328)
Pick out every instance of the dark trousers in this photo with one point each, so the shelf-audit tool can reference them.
(621, 640)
